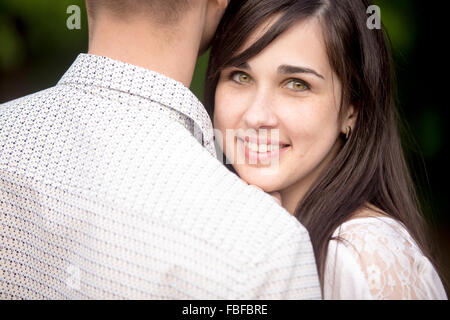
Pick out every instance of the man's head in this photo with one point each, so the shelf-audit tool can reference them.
(160, 11)
(165, 14)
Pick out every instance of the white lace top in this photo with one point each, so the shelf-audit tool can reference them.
(378, 259)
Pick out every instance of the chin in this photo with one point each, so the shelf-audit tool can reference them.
(268, 183)
(269, 187)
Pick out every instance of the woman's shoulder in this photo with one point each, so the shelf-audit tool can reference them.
(371, 223)
(381, 251)
(373, 233)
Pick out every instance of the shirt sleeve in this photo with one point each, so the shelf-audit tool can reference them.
(379, 260)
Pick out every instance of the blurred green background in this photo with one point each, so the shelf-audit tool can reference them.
(36, 48)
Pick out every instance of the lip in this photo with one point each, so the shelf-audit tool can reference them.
(261, 140)
(262, 157)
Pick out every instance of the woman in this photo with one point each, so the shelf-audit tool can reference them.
(311, 73)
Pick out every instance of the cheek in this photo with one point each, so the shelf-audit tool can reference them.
(227, 115)
(226, 110)
(313, 129)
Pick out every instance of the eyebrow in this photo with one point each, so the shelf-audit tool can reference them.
(287, 69)
(244, 66)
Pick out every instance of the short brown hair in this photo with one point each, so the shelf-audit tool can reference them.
(163, 11)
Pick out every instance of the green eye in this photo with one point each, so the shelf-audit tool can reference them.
(241, 77)
(297, 85)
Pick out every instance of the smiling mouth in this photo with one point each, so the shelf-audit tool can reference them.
(263, 148)
(261, 152)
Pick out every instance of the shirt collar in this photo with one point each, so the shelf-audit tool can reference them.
(105, 72)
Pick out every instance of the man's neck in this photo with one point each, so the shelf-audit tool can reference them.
(171, 51)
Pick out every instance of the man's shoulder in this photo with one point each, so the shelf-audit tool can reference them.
(172, 177)
(36, 103)
(140, 160)
(225, 208)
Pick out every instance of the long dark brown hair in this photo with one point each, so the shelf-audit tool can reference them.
(370, 167)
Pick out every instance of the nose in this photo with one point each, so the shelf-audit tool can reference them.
(260, 113)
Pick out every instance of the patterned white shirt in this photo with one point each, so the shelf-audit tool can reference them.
(109, 189)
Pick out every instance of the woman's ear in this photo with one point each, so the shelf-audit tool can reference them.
(350, 118)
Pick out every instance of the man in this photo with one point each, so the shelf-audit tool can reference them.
(109, 191)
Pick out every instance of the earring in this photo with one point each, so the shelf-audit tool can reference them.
(348, 132)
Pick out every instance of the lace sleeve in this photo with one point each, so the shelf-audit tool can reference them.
(378, 259)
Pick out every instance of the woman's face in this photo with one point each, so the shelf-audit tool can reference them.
(289, 90)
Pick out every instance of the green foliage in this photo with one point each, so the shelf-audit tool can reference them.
(430, 132)
(198, 81)
(399, 20)
(12, 50)
(37, 28)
